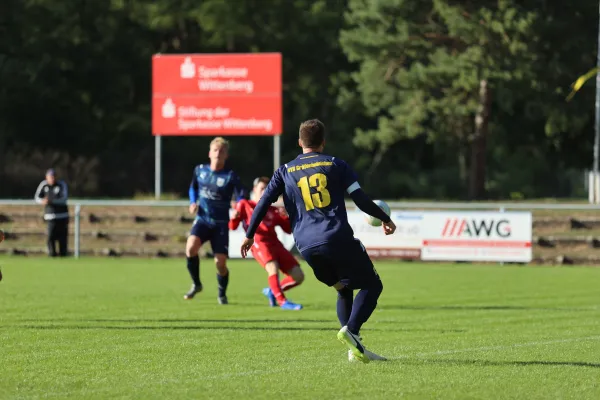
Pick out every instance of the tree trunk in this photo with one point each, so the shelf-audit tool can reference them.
(376, 161)
(479, 144)
(464, 142)
(230, 43)
(463, 170)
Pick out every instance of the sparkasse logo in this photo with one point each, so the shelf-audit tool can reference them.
(463, 227)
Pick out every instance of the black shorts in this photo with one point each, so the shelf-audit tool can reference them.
(346, 262)
(217, 235)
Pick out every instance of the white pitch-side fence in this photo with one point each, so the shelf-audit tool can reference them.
(394, 205)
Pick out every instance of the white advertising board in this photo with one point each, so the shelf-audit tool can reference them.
(405, 243)
(477, 236)
(436, 236)
(237, 237)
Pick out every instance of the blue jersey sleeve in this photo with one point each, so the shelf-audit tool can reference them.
(348, 176)
(193, 192)
(365, 204)
(274, 189)
(360, 198)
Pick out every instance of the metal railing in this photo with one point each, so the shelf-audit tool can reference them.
(395, 205)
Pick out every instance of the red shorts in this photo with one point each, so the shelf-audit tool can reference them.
(264, 253)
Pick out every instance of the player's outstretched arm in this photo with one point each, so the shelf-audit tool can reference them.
(272, 192)
(360, 198)
(237, 217)
(284, 222)
(193, 192)
(365, 204)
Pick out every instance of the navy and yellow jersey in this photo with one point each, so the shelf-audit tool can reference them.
(213, 191)
(313, 187)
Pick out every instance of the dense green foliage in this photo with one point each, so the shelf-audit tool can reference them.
(426, 98)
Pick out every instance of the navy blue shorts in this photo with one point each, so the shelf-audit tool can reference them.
(347, 262)
(217, 235)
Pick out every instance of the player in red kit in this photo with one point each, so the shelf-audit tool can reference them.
(268, 250)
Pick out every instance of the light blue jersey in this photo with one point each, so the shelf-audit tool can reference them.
(213, 191)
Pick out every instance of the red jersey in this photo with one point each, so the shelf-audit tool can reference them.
(266, 230)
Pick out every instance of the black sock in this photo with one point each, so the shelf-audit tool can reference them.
(344, 305)
(193, 266)
(364, 305)
(223, 281)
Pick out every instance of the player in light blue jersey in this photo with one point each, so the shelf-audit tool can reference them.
(211, 191)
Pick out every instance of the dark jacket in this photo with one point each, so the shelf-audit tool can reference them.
(57, 195)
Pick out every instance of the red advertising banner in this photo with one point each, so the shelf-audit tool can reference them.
(216, 115)
(216, 94)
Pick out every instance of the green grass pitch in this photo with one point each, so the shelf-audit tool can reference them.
(119, 328)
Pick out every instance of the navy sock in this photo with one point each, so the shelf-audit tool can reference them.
(193, 266)
(223, 281)
(364, 305)
(344, 305)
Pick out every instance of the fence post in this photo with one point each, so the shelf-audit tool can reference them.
(77, 228)
(501, 210)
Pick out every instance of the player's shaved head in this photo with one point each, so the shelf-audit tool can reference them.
(312, 133)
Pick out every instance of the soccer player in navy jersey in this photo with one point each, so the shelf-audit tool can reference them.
(313, 187)
(211, 191)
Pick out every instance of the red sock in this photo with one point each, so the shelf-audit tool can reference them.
(276, 289)
(288, 283)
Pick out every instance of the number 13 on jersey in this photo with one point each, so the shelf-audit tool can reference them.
(319, 199)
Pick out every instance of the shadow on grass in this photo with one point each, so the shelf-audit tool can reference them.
(133, 326)
(489, 363)
(176, 320)
(478, 308)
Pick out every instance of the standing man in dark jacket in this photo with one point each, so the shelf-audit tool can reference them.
(53, 194)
